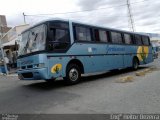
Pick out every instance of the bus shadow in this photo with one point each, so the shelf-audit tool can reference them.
(59, 84)
(46, 85)
(111, 74)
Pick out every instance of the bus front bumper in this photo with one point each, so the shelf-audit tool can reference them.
(33, 74)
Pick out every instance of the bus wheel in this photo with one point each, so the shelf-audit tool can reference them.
(135, 64)
(73, 74)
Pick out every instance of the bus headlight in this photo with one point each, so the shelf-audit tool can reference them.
(41, 65)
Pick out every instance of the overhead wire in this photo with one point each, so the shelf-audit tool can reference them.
(71, 12)
(83, 11)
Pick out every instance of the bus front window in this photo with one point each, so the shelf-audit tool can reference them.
(33, 40)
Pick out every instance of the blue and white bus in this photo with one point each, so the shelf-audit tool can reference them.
(62, 48)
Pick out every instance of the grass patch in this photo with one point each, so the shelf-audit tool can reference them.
(148, 70)
(154, 69)
(141, 73)
(125, 79)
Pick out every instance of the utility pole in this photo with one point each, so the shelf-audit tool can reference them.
(24, 18)
(130, 17)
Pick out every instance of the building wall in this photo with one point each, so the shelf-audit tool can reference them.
(4, 29)
(3, 21)
(3, 26)
(14, 33)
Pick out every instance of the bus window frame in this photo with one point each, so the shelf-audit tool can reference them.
(132, 38)
(106, 31)
(50, 37)
(84, 26)
(148, 40)
(121, 33)
(135, 40)
(36, 52)
(93, 41)
(92, 29)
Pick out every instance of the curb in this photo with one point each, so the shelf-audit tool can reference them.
(3, 74)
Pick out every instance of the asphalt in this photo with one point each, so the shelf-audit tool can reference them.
(95, 94)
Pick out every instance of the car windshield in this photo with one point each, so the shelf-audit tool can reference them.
(33, 40)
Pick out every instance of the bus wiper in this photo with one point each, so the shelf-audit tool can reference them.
(35, 37)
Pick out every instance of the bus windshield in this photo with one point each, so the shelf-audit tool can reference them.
(33, 40)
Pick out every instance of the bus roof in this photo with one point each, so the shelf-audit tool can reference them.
(98, 26)
(47, 20)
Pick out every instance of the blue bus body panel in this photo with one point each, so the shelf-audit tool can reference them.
(94, 58)
(28, 64)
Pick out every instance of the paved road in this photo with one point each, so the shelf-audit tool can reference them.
(96, 94)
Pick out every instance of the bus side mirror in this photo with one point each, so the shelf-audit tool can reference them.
(16, 46)
(16, 49)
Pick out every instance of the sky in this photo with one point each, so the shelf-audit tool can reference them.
(107, 13)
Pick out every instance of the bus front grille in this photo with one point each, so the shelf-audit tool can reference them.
(30, 66)
(27, 75)
(27, 67)
(23, 67)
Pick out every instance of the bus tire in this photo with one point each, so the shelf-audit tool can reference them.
(135, 64)
(73, 74)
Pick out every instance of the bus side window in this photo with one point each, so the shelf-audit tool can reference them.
(128, 39)
(61, 35)
(138, 40)
(83, 33)
(116, 38)
(145, 40)
(60, 39)
(103, 36)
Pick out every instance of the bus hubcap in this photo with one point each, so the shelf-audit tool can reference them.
(73, 74)
(135, 65)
